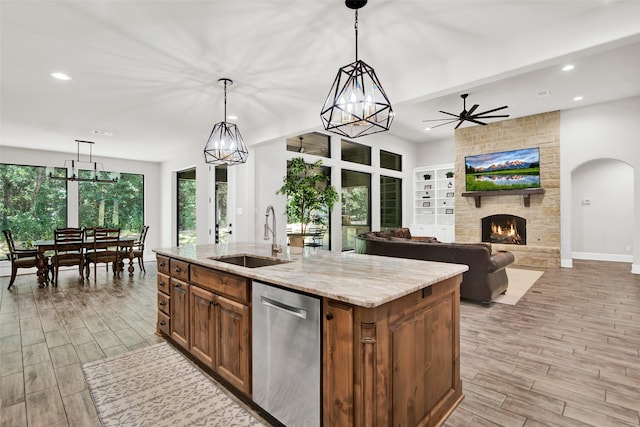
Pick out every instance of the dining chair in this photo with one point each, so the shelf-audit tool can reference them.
(20, 258)
(317, 235)
(138, 249)
(68, 250)
(105, 249)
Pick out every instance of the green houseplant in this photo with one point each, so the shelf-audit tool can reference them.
(308, 193)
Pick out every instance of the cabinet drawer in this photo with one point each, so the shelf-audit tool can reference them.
(233, 286)
(163, 303)
(163, 323)
(163, 283)
(163, 264)
(179, 269)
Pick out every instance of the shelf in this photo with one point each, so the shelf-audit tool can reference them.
(525, 192)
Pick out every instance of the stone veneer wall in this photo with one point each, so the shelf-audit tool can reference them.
(543, 216)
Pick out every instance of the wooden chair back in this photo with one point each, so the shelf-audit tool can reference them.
(68, 249)
(105, 248)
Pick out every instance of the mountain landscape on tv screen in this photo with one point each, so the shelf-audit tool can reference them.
(504, 170)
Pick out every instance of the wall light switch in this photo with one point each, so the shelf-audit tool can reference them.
(586, 202)
(239, 211)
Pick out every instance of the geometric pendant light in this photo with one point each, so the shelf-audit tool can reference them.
(357, 105)
(225, 145)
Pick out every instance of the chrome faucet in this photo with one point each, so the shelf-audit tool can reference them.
(275, 248)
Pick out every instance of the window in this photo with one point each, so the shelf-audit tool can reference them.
(186, 207)
(390, 160)
(119, 205)
(356, 206)
(355, 153)
(314, 143)
(390, 202)
(31, 204)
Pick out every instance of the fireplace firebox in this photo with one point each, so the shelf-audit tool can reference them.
(505, 229)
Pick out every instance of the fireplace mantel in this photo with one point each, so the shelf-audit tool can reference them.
(525, 192)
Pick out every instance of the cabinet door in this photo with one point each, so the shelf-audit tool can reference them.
(232, 340)
(201, 310)
(180, 312)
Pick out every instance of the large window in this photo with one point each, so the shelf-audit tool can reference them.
(356, 206)
(119, 205)
(390, 202)
(389, 160)
(186, 205)
(31, 204)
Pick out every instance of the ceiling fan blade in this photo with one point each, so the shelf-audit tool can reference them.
(458, 125)
(477, 121)
(481, 116)
(450, 114)
(443, 124)
(495, 109)
(470, 112)
(439, 120)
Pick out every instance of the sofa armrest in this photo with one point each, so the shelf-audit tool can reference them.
(500, 260)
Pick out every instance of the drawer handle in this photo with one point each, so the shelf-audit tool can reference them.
(161, 302)
(178, 270)
(162, 323)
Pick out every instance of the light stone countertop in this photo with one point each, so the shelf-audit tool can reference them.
(362, 280)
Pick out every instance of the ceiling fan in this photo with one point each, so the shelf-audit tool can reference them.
(469, 115)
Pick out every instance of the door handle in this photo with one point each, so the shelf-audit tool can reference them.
(290, 309)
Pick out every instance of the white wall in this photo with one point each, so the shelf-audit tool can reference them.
(152, 184)
(602, 210)
(604, 131)
(437, 152)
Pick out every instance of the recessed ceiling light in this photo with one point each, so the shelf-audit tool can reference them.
(60, 76)
(578, 98)
(568, 67)
(232, 117)
(427, 129)
(544, 93)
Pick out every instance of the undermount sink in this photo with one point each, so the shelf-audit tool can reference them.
(250, 261)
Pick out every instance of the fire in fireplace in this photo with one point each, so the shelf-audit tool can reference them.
(505, 229)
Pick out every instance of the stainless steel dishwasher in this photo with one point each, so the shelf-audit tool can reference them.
(286, 354)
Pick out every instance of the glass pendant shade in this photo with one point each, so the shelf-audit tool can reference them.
(357, 104)
(225, 145)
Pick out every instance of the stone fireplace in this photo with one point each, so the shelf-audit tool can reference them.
(505, 229)
(541, 232)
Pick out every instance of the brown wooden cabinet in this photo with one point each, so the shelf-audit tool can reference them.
(209, 316)
(233, 360)
(180, 312)
(394, 365)
(202, 308)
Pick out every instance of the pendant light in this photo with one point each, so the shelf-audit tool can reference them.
(93, 172)
(357, 104)
(225, 145)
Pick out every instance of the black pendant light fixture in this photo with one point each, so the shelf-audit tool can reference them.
(225, 145)
(92, 174)
(357, 104)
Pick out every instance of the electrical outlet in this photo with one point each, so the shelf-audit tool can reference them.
(628, 248)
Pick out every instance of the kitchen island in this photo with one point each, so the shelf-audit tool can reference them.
(390, 351)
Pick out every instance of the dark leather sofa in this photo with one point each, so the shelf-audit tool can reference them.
(485, 279)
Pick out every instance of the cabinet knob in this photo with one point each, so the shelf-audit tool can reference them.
(177, 285)
(161, 302)
(161, 284)
(162, 264)
(178, 270)
(162, 323)
(329, 316)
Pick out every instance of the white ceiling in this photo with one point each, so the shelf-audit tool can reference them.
(147, 70)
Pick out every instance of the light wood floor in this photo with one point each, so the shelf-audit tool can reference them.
(568, 354)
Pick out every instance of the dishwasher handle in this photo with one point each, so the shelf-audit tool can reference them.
(290, 309)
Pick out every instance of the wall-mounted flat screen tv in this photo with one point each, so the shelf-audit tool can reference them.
(506, 170)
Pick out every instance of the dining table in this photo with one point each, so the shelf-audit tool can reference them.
(49, 245)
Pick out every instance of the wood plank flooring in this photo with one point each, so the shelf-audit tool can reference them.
(568, 354)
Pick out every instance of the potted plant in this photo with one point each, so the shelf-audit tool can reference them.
(449, 174)
(308, 192)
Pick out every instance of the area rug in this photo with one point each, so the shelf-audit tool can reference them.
(520, 280)
(158, 386)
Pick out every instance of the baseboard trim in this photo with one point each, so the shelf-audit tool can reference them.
(602, 257)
